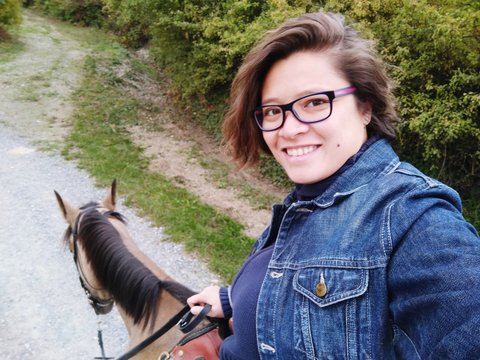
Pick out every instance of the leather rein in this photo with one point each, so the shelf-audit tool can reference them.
(184, 319)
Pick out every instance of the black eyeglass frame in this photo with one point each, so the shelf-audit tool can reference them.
(332, 94)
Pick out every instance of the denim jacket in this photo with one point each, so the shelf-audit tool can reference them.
(382, 265)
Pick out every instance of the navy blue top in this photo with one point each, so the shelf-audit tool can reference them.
(244, 295)
(246, 287)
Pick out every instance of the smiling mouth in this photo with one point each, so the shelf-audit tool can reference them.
(301, 150)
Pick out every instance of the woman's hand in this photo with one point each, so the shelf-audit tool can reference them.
(209, 295)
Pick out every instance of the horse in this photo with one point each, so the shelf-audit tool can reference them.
(113, 270)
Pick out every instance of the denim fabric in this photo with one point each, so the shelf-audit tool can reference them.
(382, 265)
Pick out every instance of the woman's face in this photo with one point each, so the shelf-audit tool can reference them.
(312, 152)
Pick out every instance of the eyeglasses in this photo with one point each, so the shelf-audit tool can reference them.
(308, 109)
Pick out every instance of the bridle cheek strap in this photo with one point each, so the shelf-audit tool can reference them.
(101, 306)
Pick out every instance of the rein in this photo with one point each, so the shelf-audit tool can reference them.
(183, 318)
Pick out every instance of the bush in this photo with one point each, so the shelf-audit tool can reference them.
(132, 20)
(10, 15)
(203, 42)
(433, 49)
(85, 12)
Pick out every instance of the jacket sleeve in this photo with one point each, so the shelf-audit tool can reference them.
(434, 276)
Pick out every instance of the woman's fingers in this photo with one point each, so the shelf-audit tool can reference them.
(209, 295)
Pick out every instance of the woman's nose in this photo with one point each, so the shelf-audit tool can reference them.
(292, 126)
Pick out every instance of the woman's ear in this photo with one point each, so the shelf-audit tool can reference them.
(366, 109)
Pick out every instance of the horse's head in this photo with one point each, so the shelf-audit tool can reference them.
(112, 268)
(76, 239)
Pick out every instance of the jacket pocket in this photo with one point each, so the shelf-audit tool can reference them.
(326, 286)
(331, 315)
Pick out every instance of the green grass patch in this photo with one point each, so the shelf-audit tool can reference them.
(101, 144)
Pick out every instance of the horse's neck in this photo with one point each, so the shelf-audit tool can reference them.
(135, 250)
(167, 307)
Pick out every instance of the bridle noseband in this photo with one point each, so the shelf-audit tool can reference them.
(101, 306)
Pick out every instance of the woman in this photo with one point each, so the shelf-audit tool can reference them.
(367, 258)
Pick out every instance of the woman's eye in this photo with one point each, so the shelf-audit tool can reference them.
(315, 102)
(269, 112)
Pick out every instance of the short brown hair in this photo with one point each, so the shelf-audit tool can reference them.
(354, 57)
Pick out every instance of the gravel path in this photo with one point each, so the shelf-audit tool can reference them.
(43, 311)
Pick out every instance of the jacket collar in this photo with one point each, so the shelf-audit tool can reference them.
(379, 159)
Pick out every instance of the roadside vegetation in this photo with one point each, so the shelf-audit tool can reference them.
(9, 48)
(10, 17)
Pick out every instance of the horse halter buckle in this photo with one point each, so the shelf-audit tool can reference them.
(100, 306)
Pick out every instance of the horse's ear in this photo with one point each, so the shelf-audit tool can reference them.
(109, 201)
(69, 211)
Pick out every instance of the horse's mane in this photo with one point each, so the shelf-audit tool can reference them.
(130, 282)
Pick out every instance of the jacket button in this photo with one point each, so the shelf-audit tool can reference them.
(276, 275)
(267, 347)
(321, 287)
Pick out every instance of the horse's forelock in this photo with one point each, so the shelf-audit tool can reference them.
(90, 205)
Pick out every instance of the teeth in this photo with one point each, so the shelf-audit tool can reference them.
(301, 151)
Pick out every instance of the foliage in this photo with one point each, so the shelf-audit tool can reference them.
(10, 15)
(132, 19)
(85, 12)
(433, 49)
(203, 42)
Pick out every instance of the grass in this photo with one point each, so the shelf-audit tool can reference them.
(100, 143)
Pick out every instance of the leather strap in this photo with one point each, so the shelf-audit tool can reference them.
(142, 345)
(187, 324)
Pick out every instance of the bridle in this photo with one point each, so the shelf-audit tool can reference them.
(101, 306)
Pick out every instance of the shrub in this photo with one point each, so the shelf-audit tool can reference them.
(132, 20)
(10, 15)
(433, 49)
(85, 12)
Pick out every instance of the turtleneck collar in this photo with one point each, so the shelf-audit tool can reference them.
(305, 192)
